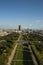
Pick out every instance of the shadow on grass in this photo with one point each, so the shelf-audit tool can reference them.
(27, 56)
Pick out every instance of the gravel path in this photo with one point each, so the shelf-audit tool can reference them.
(33, 57)
(12, 55)
(13, 52)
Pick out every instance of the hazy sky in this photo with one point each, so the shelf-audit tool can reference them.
(28, 13)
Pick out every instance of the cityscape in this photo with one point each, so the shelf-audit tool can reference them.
(21, 32)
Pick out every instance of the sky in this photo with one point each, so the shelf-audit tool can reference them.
(27, 13)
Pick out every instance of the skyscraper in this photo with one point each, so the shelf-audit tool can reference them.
(19, 27)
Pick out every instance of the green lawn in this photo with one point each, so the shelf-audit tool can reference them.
(22, 54)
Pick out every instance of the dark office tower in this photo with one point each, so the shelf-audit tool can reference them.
(19, 27)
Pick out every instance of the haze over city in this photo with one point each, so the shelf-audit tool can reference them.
(27, 13)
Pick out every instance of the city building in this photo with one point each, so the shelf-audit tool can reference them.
(19, 27)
